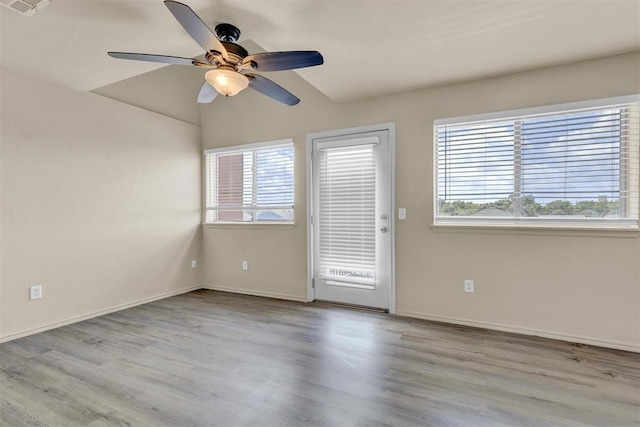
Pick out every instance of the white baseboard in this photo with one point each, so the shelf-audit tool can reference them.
(255, 293)
(437, 318)
(82, 317)
(524, 331)
(458, 321)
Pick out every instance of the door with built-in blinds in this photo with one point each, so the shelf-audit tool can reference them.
(351, 219)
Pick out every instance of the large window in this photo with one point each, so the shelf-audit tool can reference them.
(250, 183)
(572, 165)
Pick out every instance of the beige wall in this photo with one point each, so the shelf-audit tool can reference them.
(171, 91)
(570, 286)
(100, 204)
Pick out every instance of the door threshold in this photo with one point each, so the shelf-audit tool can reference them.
(352, 306)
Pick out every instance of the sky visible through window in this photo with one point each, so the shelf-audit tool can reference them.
(573, 159)
(275, 176)
(250, 185)
(274, 183)
(566, 164)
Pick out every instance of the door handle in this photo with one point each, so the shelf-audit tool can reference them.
(384, 229)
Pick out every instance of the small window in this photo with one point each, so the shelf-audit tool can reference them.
(250, 183)
(554, 166)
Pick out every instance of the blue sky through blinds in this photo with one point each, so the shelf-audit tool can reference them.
(573, 157)
(275, 176)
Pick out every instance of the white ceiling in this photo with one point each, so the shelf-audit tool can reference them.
(370, 47)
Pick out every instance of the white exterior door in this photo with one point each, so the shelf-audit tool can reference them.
(351, 218)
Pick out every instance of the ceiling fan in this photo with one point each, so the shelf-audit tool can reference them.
(231, 65)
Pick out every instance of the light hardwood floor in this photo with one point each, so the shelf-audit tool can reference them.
(212, 358)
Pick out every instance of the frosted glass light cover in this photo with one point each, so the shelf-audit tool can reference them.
(226, 82)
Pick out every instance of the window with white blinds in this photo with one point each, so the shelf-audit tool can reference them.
(345, 216)
(250, 183)
(576, 167)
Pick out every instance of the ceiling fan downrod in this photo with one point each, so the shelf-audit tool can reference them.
(228, 35)
(228, 32)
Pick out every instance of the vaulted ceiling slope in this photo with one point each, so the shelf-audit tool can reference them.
(370, 47)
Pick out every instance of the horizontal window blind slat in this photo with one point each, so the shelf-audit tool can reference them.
(357, 237)
(249, 207)
(250, 185)
(482, 139)
(545, 164)
(346, 210)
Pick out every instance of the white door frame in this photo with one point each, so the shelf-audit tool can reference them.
(391, 129)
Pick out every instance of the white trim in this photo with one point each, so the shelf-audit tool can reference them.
(251, 208)
(98, 313)
(247, 147)
(619, 345)
(390, 128)
(251, 225)
(274, 295)
(287, 142)
(570, 223)
(286, 224)
(203, 190)
(359, 285)
(537, 230)
(546, 109)
(369, 140)
(352, 131)
(515, 219)
(310, 172)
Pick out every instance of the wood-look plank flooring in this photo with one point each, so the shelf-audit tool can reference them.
(216, 359)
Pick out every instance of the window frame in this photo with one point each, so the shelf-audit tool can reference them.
(242, 148)
(534, 223)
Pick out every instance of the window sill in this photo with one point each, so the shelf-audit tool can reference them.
(533, 230)
(252, 225)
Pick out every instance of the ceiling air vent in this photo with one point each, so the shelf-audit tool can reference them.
(25, 7)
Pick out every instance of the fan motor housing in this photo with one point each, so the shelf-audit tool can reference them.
(235, 50)
(235, 53)
(228, 34)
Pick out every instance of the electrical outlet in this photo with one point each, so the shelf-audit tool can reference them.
(245, 265)
(193, 264)
(35, 292)
(468, 286)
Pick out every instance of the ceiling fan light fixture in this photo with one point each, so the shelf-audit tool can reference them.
(226, 82)
(226, 57)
